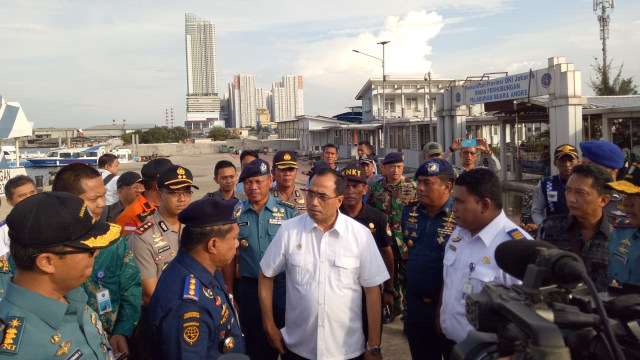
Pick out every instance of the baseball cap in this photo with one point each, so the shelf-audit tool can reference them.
(354, 172)
(56, 218)
(432, 148)
(366, 159)
(153, 168)
(127, 179)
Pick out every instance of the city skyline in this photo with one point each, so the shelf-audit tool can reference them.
(78, 65)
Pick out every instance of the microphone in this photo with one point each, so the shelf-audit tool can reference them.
(514, 256)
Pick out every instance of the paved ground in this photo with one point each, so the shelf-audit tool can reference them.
(394, 344)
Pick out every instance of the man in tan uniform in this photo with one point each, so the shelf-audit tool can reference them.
(285, 170)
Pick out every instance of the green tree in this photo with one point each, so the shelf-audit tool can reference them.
(219, 134)
(603, 85)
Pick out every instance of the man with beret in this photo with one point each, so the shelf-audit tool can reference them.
(427, 223)
(45, 308)
(624, 242)
(155, 243)
(549, 196)
(471, 154)
(261, 217)
(611, 158)
(390, 195)
(374, 220)
(129, 187)
(285, 171)
(145, 205)
(191, 313)
(115, 279)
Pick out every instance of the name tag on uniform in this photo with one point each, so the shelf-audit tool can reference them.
(104, 301)
(552, 196)
(411, 225)
(276, 221)
(246, 223)
(620, 258)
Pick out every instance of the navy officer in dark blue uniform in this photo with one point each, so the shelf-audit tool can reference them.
(427, 223)
(259, 221)
(191, 314)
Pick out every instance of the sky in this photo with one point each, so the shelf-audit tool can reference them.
(79, 63)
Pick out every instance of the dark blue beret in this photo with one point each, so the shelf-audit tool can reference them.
(603, 153)
(211, 211)
(393, 158)
(433, 167)
(257, 167)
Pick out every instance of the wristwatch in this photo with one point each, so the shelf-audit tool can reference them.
(374, 350)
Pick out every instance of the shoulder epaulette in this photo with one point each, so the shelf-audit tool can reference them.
(143, 216)
(622, 223)
(290, 205)
(411, 202)
(516, 234)
(191, 288)
(144, 227)
(4, 266)
(12, 335)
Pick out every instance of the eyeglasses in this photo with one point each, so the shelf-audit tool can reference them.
(177, 194)
(135, 187)
(91, 252)
(310, 195)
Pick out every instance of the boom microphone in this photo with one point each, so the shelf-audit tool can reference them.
(514, 257)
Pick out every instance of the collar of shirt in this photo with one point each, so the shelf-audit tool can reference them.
(489, 232)
(157, 217)
(403, 182)
(144, 203)
(195, 268)
(339, 226)
(605, 228)
(446, 209)
(49, 310)
(269, 205)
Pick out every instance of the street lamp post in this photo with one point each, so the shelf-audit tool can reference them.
(384, 121)
(428, 78)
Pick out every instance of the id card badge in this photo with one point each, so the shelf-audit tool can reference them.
(104, 301)
(552, 196)
(467, 289)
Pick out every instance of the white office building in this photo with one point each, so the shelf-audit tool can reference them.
(287, 98)
(242, 101)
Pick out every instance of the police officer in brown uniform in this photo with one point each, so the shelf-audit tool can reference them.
(155, 243)
(285, 170)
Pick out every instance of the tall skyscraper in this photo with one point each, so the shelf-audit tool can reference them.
(287, 98)
(242, 101)
(203, 103)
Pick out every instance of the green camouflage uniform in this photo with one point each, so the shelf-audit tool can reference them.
(391, 200)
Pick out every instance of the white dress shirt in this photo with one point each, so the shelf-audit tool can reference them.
(111, 195)
(463, 250)
(4, 239)
(325, 275)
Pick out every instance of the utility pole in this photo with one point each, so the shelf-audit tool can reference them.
(428, 78)
(384, 103)
(603, 19)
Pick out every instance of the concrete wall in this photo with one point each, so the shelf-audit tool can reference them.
(202, 148)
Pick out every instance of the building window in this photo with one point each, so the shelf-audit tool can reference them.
(390, 104)
(411, 103)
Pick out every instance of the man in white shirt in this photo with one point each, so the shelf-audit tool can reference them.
(108, 166)
(329, 257)
(469, 261)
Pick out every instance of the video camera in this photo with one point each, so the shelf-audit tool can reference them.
(555, 314)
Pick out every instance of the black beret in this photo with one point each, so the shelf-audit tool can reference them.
(393, 158)
(434, 167)
(153, 168)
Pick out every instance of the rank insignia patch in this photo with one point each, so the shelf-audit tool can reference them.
(12, 335)
(143, 228)
(191, 288)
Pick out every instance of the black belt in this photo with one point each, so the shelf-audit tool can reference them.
(276, 279)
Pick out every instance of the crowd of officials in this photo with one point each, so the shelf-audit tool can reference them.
(109, 266)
